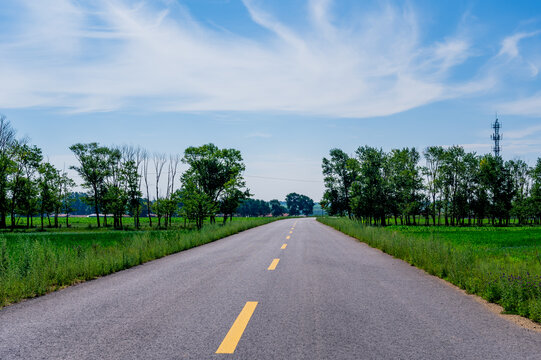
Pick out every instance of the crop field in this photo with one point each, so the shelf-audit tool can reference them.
(32, 264)
(503, 265)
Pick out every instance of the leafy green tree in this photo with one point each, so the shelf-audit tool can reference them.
(7, 146)
(339, 173)
(434, 158)
(276, 208)
(131, 182)
(293, 201)
(48, 194)
(520, 173)
(197, 205)
(95, 167)
(253, 207)
(23, 192)
(230, 201)
(405, 183)
(67, 200)
(213, 171)
(299, 204)
(496, 178)
(370, 193)
(535, 198)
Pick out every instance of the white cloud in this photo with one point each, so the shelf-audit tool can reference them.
(510, 44)
(117, 55)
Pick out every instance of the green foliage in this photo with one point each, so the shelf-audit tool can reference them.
(455, 186)
(213, 180)
(276, 208)
(503, 265)
(34, 264)
(339, 171)
(253, 207)
(299, 204)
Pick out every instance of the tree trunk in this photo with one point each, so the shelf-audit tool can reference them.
(96, 209)
(148, 211)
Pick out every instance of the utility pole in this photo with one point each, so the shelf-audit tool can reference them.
(496, 137)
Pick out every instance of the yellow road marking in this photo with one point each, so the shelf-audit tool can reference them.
(288, 237)
(291, 232)
(273, 264)
(283, 246)
(234, 334)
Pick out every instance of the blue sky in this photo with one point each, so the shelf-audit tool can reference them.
(283, 81)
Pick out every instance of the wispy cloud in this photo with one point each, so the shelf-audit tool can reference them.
(115, 54)
(261, 135)
(528, 106)
(523, 133)
(510, 44)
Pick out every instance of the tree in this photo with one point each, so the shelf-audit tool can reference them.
(7, 145)
(23, 192)
(299, 204)
(48, 184)
(214, 172)
(293, 201)
(535, 198)
(276, 208)
(67, 199)
(159, 163)
(131, 179)
(434, 158)
(230, 201)
(495, 176)
(370, 193)
(339, 173)
(197, 205)
(520, 172)
(253, 207)
(95, 167)
(146, 165)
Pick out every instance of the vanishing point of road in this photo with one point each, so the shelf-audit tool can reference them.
(292, 289)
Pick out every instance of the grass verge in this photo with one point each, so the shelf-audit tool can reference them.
(498, 276)
(35, 265)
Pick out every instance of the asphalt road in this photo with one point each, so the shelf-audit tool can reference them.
(329, 297)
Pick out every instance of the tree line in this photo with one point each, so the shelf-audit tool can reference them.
(119, 181)
(296, 204)
(452, 187)
(28, 184)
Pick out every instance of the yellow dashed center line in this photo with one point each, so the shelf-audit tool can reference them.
(291, 232)
(273, 264)
(288, 237)
(234, 334)
(283, 246)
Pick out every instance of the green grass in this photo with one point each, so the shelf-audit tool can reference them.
(503, 265)
(35, 264)
(90, 224)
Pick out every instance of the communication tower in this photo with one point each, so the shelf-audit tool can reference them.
(496, 137)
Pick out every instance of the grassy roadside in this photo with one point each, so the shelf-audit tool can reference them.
(32, 265)
(497, 275)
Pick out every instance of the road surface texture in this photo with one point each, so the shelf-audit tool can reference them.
(328, 297)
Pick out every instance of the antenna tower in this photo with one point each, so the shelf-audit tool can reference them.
(496, 137)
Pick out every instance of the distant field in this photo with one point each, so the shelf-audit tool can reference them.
(32, 264)
(503, 265)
